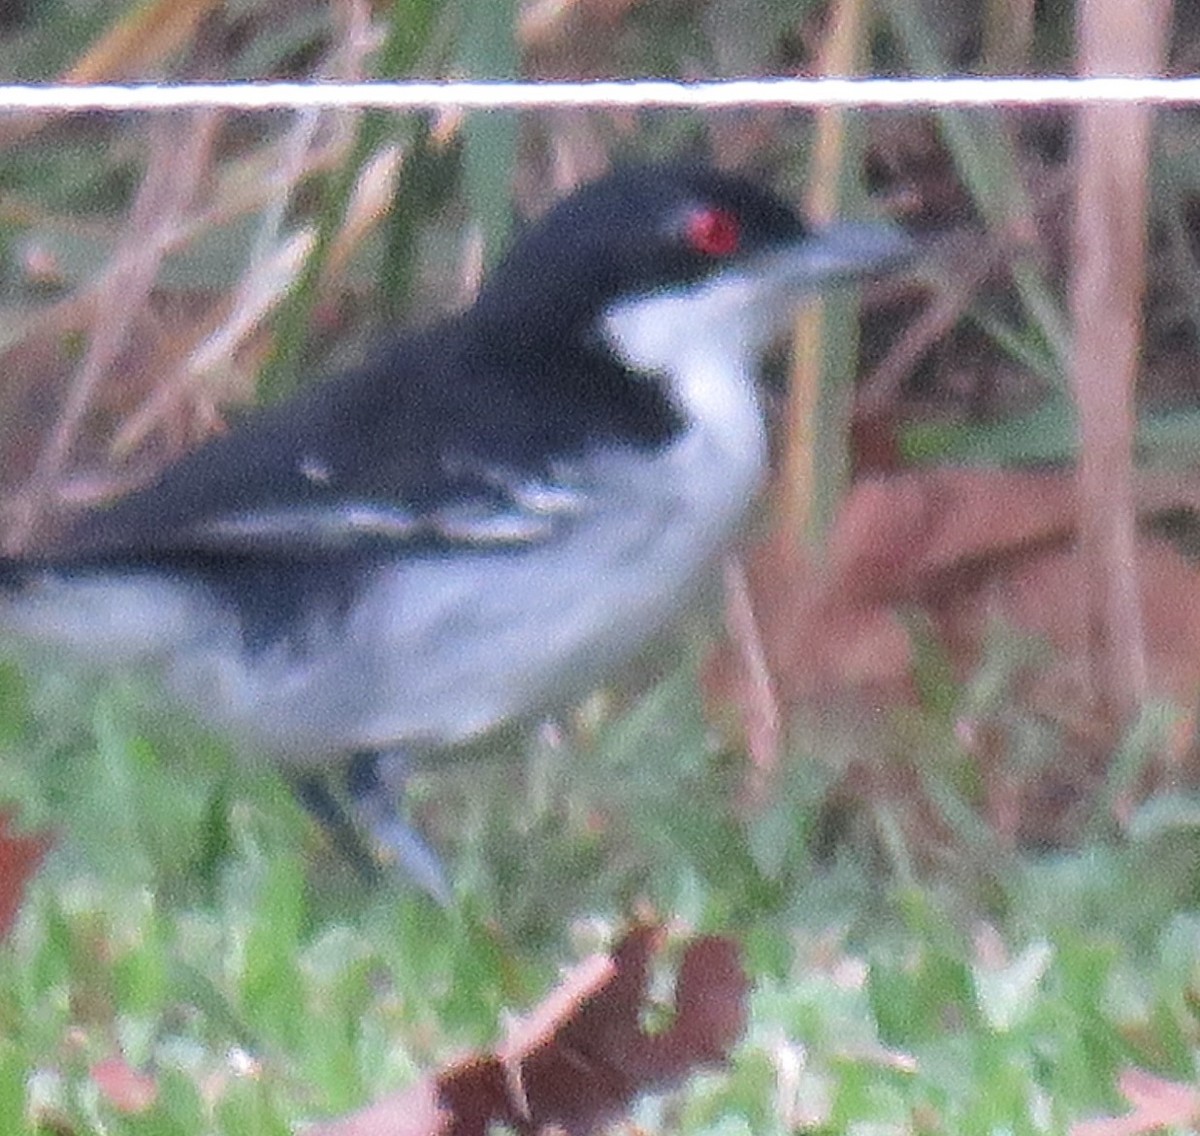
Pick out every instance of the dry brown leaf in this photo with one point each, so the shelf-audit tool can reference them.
(968, 548)
(127, 1089)
(581, 1057)
(19, 859)
(1045, 595)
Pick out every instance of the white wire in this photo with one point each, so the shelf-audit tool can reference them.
(944, 91)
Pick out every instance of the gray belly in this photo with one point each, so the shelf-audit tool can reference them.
(439, 651)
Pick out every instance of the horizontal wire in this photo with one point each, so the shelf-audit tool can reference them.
(942, 91)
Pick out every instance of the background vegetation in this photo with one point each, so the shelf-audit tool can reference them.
(955, 829)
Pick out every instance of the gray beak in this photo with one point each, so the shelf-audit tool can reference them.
(841, 252)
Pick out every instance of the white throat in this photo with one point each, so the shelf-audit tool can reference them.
(703, 343)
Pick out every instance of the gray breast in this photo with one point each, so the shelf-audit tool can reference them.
(442, 649)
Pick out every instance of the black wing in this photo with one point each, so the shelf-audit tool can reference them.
(393, 457)
(287, 515)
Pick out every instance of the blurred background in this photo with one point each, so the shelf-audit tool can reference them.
(935, 768)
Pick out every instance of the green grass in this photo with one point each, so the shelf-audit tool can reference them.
(191, 920)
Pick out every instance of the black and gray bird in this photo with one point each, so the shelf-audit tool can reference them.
(484, 520)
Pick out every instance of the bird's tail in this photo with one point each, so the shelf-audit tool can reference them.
(108, 615)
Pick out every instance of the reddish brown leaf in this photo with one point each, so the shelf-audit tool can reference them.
(19, 859)
(968, 546)
(123, 1086)
(581, 1058)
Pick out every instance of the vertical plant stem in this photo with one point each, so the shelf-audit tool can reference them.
(815, 461)
(1107, 290)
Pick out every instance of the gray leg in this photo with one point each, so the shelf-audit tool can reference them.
(375, 783)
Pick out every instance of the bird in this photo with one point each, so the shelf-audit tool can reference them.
(481, 522)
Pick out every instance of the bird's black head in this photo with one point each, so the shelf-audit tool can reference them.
(638, 230)
(677, 273)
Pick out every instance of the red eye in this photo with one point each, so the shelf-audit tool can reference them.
(713, 231)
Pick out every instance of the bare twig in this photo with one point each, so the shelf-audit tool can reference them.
(759, 703)
(179, 153)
